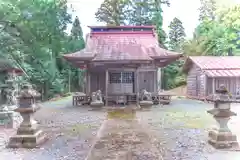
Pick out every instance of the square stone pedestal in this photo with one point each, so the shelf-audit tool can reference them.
(27, 140)
(220, 139)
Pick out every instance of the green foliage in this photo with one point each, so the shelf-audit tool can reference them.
(215, 37)
(113, 12)
(176, 35)
(207, 10)
(33, 38)
(173, 76)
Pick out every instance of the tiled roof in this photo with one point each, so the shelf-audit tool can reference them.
(112, 45)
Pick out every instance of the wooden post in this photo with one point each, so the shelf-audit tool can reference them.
(213, 85)
(106, 89)
(137, 85)
(88, 84)
(84, 82)
(155, 81)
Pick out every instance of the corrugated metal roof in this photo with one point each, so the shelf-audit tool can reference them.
(223, 73)
(214, 62)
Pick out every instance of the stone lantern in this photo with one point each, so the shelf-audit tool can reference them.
(28, 135)
(221, 137)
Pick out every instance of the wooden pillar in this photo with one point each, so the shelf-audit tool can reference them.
(213, 85)
(137, 85)
(88, 84)
(159, 79)
(155, 81)
(106, 89)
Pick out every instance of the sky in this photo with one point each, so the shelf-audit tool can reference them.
(185, 10)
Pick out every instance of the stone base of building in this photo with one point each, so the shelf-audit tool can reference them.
(27, 141)
(145, 104)
(221, 140)
(96, 104)
(10, 119)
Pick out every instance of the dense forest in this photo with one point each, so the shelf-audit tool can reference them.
(33, 37)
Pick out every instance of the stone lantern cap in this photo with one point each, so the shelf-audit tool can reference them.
(28, 92)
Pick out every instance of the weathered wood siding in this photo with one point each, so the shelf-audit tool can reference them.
(146, 80)
(148, 77)
(97, 80)
(196, 82)
(120, 88)
(232, 84)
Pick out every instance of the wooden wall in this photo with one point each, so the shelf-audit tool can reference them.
(97, 81)
(232, 84)
(199, 85)
(193, 81)
(147, 79)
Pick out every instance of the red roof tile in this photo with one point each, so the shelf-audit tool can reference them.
(213, 62)
(223, 73)
(122, 45)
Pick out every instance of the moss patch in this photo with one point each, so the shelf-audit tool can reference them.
(121, 115)
(192, 119)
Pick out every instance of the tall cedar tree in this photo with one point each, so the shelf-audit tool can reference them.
(176, 34)
(207, 10)
(112, 12)
(77, 33)
(158, 21)
(142, 12)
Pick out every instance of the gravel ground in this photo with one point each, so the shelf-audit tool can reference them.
(70, 131)
(181, 126)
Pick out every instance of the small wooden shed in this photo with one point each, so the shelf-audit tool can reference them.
(122, 60)
(206, 73)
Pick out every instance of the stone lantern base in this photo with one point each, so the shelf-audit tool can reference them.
(27, 140)
(28, 134)
(220, 139)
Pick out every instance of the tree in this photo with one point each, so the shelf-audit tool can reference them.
(34, 38)
(142, 12)
(77, 35)
(113, 12)
(207, 9)
(158, 21)
(218, 36)
(176, 34)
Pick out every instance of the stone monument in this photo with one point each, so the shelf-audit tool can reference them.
(221, 137)
(96, 99)
(28, 134)
(145, 99)
(9, 118)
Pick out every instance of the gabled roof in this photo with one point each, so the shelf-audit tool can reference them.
(119, 43)
(215, 66)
